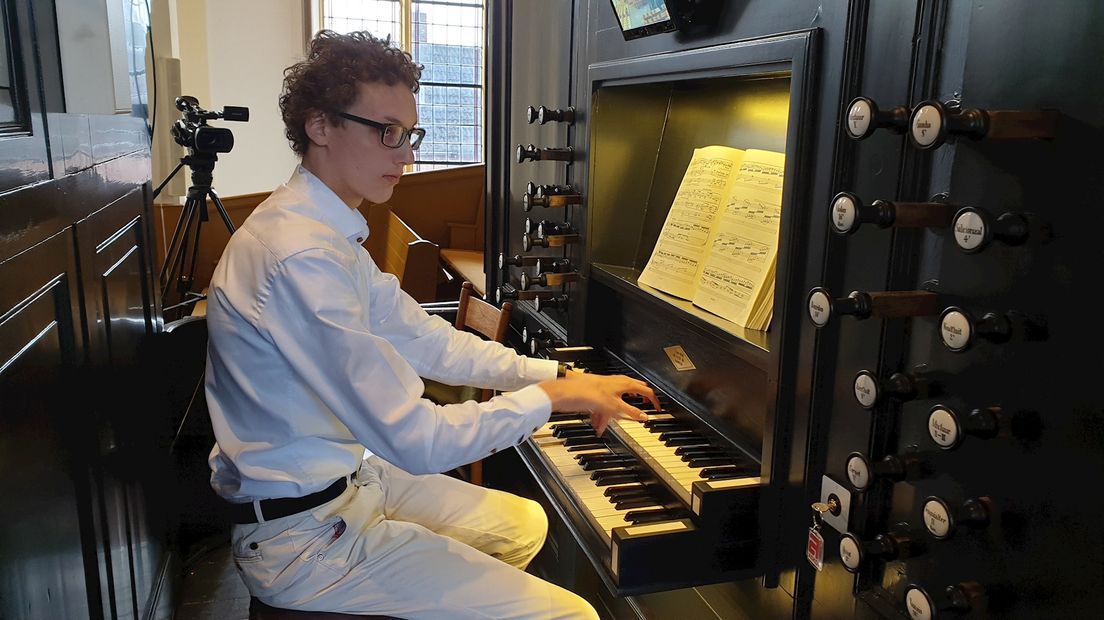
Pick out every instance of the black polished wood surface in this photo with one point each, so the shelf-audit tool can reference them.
(83, 454)
(1038, 555)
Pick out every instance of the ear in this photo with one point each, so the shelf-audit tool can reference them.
(318, 128)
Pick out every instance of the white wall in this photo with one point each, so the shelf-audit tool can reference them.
(233, 52)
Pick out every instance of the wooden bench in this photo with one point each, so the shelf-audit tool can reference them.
(398, 250)
(467, 265)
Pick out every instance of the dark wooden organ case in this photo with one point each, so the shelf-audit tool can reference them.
(999, 522)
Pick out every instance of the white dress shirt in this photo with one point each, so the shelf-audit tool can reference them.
(315, 355)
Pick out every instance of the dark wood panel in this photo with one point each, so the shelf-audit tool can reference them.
(43, 573)
(114, 255)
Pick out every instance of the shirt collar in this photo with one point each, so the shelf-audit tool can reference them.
(327, 207)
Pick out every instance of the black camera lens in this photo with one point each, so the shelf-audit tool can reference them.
(213, 139)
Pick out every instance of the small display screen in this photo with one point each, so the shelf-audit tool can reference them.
(640, 18)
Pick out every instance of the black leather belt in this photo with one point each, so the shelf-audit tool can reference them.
(284, 506)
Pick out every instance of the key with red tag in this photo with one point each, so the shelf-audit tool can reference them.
(814, 548)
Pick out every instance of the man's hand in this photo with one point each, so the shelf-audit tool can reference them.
(598, 395)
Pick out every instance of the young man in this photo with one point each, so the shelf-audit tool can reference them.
(314, 363)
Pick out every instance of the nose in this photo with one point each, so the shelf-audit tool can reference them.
(405, 154)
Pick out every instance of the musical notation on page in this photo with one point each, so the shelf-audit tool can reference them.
(719, 243)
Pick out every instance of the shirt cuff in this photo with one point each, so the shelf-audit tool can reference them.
(537, 370)
(535, 404)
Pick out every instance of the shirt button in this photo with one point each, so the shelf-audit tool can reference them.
(320, 556)
(360, 239)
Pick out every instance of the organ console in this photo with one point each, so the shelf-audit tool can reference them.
(848, 213)
(864, 118)
(932, 123)
(668, 488)
(962, 260)
(532, 153)
(863, 305)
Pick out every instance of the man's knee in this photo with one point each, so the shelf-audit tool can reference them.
(534, 527)
(571, 606)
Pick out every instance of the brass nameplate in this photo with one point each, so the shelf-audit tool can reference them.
(679, 358)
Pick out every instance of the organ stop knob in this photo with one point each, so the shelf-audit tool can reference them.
(848, 213)
(932, 123)
(862, 305)
(864, 118)
(532, 153)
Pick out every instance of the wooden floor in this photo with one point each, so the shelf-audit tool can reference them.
(212, 590)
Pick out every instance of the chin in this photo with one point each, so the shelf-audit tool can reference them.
(379, 195)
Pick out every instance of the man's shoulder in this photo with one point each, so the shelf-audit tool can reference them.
(283, 227)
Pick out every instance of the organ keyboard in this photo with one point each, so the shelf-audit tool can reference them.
(656, 505)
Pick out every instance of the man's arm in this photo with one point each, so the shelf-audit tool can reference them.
(315, 317)
(438, 351)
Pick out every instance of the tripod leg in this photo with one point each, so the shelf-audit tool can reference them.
(221, 210)
(190, 280)
(174, 264)
(187, 213)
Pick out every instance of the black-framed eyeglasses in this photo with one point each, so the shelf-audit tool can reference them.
(392, 135)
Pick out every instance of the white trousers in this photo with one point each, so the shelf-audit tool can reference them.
(416, 547)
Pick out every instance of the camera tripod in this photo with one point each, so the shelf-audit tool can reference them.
(183, 250)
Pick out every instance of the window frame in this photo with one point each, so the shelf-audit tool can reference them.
(316, 20)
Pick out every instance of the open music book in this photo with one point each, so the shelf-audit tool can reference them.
(719, 243)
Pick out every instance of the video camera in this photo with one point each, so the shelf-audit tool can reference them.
(193, 132)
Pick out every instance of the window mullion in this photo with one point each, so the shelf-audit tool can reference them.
(407, 25)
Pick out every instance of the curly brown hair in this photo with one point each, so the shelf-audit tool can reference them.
(329, 78)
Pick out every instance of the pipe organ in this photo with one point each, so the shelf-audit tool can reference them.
(917, 433)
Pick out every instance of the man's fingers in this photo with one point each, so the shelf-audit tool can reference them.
(599, 422)
(632, 413)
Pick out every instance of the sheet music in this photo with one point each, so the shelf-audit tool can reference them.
(737, 275)
(683, 242)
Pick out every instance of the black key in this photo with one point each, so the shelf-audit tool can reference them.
(601, 465)
(584, 441)
(684, 451)
(658, 426)
(574, 432)
(724, 473)
(637, 502)
(628, 493)
(608, 477)
(610, 492)
(665, 435)
(649, 516)
(558, 417)
(686, 441)
(707, 461)
(588, 461)
(565, 426)
(586, 446)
